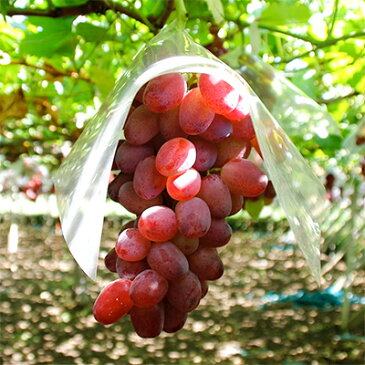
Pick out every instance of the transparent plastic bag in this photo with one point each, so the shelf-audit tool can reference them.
(82, 180)
(298, 114)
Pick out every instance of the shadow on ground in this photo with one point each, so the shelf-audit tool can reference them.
(46, 307)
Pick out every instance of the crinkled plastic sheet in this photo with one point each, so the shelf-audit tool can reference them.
(82, 180)
(298, 114)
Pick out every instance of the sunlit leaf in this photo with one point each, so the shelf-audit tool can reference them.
(285, 13)
(103, 79)
(153, 7)
(90, 32)
(331, 143)
(254, 208)
(216, 8)
(62, 3)
(52, 37)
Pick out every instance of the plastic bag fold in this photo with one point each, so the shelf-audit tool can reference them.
(82, 180)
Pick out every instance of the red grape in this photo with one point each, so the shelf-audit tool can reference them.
(186, 245)
(270, 191)
(231, 148)
(129, 270)
(218, 95)
(220, 129)
(170, 125)
(195, 117)
(114, 186)
(237, 203)
(110, 260)
(157, 142)
(148, 322)
(139, 96)
(216, 194)
(148, 288)
(219, 234)
(113, 302)
(148, 183)
(206, 264)
(193, 217)
(132, 246)
(243, 129)
(174, 318)
(243, 177)
(185, 294)
(129, 224)
(206, 154)
(240, 112)
(205, 288)
(175, 156)
(141, 126)
(131, 201)
(128, 156)
(184, 186)
(168, 260)
(114, 164)
(158, 223)
(164, 92)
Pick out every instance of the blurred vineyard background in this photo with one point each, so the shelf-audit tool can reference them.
(59, 59)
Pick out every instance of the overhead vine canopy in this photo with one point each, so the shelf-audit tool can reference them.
(60, 58)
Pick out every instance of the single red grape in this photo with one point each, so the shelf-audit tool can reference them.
(158, 223)
(243, 177)
(193, 217)
(148, 288)
(175, 157)
(113, 302)
(132, 246)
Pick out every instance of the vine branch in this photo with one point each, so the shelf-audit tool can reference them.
(336, 100)
(90, 7)
(49, 69)
(326, 43)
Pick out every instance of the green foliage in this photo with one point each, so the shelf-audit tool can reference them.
(65, 64)
(46, 37)
(283, 13)
(216, 8)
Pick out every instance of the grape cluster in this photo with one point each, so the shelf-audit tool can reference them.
(183, 169)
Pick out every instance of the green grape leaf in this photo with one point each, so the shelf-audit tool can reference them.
(152, 7)
(53, 36)
(284, 13)
(103, 79)
(216, 8)
(332, 143)
(62, 3)
(4, 6)
(254, 208)
(90, 32)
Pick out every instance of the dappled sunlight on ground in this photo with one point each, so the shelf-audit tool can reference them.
(46, 303)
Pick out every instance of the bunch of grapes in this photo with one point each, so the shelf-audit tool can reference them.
(33, 187)
(183, 169)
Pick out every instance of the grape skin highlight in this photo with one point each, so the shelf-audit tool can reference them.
(175, 157)
(158, 223)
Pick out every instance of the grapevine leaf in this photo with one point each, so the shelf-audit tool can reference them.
(216, 8)
(53, 36)
(283, 14)
(254, 208)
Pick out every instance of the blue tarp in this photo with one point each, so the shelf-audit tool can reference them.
(321, 299)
